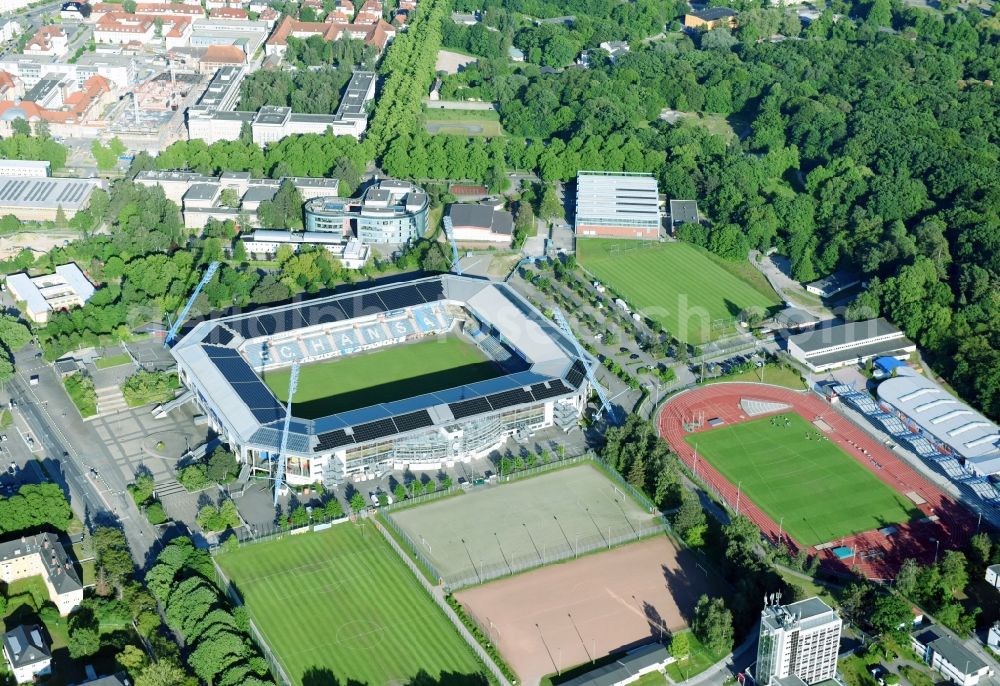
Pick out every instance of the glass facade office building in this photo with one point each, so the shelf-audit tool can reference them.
(392, 212)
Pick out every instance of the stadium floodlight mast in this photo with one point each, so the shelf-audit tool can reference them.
(279, 475)
(587, 365)
(176, 326)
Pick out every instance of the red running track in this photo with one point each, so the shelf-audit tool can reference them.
(877, 556)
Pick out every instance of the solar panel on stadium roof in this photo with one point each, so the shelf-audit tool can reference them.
(333, 439)
(575, 374)
(518, 396)
(541, 392)
(431, 291)
(373, 430)
(218, 336)
(231, 365)
(266, 414)
(399, 298)
(467, 408)
(413, 420)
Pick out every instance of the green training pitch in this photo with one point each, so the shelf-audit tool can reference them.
(676, 284)
(818, 492)
(340, 607)
(382, 375)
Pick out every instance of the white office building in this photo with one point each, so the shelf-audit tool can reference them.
(798, 640)
(834, 345)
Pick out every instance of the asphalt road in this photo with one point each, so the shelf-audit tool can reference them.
(69, 449)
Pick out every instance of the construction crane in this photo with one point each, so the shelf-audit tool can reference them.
(279, 476)
(585, 358)
(172, 334)
(456, 264)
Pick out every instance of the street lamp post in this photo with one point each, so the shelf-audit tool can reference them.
(739, 486)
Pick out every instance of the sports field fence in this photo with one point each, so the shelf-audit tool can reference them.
(277, 671)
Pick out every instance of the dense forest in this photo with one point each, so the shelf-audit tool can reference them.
(869, 144)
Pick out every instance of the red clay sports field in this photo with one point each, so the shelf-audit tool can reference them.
(877, 555)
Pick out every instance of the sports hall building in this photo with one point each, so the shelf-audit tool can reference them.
(617, 205)
(542, 380)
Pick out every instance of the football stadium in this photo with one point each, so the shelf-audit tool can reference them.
(420, 374)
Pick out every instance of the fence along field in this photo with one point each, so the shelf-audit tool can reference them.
(340, 607)
(502, 530)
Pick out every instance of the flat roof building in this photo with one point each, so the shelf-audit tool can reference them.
(40, 199)
(210, 121)
(479, 223)
(948, 656)
(617, 205)
(947, 422)
(41, 295)
(352, 254)
(829, 286)
(799, 640)
(683, 212)
(26, 168)
(841, 344)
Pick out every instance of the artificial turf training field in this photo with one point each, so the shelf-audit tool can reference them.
(820, 492)
(674, 283)
(382, 375)
(535, 520)
(341, 600)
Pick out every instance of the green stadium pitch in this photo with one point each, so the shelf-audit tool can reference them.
(383, 375)
(340, 607)
(677, 284)
(799, 478)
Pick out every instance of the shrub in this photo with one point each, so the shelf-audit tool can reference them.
(82, 392)
(149, 387)
(155, 513)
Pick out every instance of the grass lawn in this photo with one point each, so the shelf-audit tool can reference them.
(80, 390)
(383, 375)
(342, 606)
(113, 361)
(775, 375)
(701, 658)
(677, 284)
(441, 114)
(819, 492)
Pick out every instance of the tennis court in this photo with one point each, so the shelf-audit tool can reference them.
(493, 531)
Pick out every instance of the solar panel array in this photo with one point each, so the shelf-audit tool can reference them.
(389, 426)
(339, 309)
(246, 384)
(44, 191)
(219, 335)
(576, 373)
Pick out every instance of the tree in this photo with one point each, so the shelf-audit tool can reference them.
(229, 198)
(222, 465)
(719, 39)
(163, 673)
(891, 614)
(284, 211)
(906, 577)
(680, 645)
(20, 127)
(713, 624)
(399, 492)
(84, 634)
(689, 521)
(132, 659)
(357, 501)
(333, 509)
(550, 207)
(954, 571)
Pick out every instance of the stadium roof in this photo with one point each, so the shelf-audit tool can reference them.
(942, 415)
(607, 198)
(218, 354)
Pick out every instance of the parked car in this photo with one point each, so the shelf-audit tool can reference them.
(374, 496)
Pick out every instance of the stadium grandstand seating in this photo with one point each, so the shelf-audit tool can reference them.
(965, 479)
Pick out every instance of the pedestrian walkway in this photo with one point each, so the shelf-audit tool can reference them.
(110, 400)
(437, 594)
